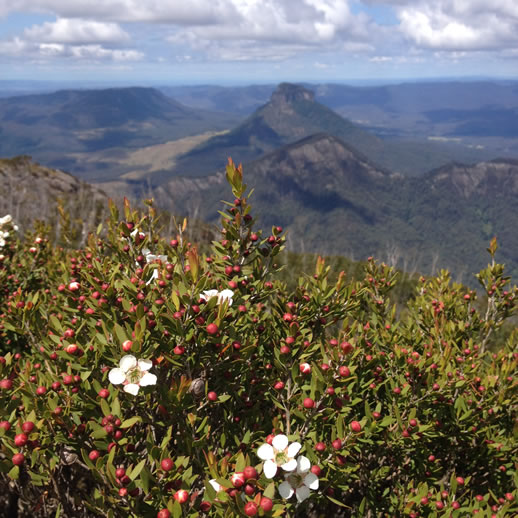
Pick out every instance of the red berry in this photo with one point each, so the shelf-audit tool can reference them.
(28, 426)
(250, 473)
(337, 444)
(181, 496)
(18, 459)
(356, 426)
(6, 425)
(94, 455)
(212, 329)
(316, 470)
(212, 396)
(167, 464)
(6, 384)
(320, 446)
(250, 508)
(344, 371)
(40, 391)
(163, 513)
(266, 504)
(20, 439)
(237, 479)
(104, 393)
(308, 403)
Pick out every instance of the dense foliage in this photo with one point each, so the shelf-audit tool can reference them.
(142, 378)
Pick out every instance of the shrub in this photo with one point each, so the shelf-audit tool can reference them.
(142, 378)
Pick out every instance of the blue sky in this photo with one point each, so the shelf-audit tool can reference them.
(236, 41)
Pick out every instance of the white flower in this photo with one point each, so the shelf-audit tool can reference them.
(208, 294)
(6, 219)
(151, 258)
(216, 485)
(299, 482)
(278, 454)
(2, 242)
(133, 374)
(225, 295)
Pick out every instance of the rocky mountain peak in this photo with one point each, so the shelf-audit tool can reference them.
(287, 93)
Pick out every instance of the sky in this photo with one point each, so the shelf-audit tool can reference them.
(243, 41)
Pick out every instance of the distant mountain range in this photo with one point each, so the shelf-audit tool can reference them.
(337, 188)
(55, 127)
(479, 117)
(333, 200)
(293, 113)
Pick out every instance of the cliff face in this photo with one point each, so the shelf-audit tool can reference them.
(30, 191)
(495, 178)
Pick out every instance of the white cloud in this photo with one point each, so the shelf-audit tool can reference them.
(76, 30)
(458, 25)
(18, 48)
(279, 29)
(381, 59)
(151, 11)
(262, 30)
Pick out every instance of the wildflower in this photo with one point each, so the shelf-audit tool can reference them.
(133, 374)
(299, 482)
(216, 485)
(222, 296)
(151, 258)
(278, 454)
(6, 219)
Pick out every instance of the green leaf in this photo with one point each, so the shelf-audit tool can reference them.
(269, 492)
(14, 473)
(240, 462)
(128, 423)
(121, 333)
(137, 469)
(337, 502)
(177, 509)
(116, 407)
(105, 407)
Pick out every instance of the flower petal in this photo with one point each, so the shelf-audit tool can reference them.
(131, 388)
(285, 490)
(280, 442)
(217, 487)
(269, 469)
(117, 376)
(291, 465)
(145, 365)
(147, 379)
(293, 449)
(208, 294)
(311, 480)
(128, 362)
(302, 493)
(303, 464)
(225, 295)
(265, 452)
